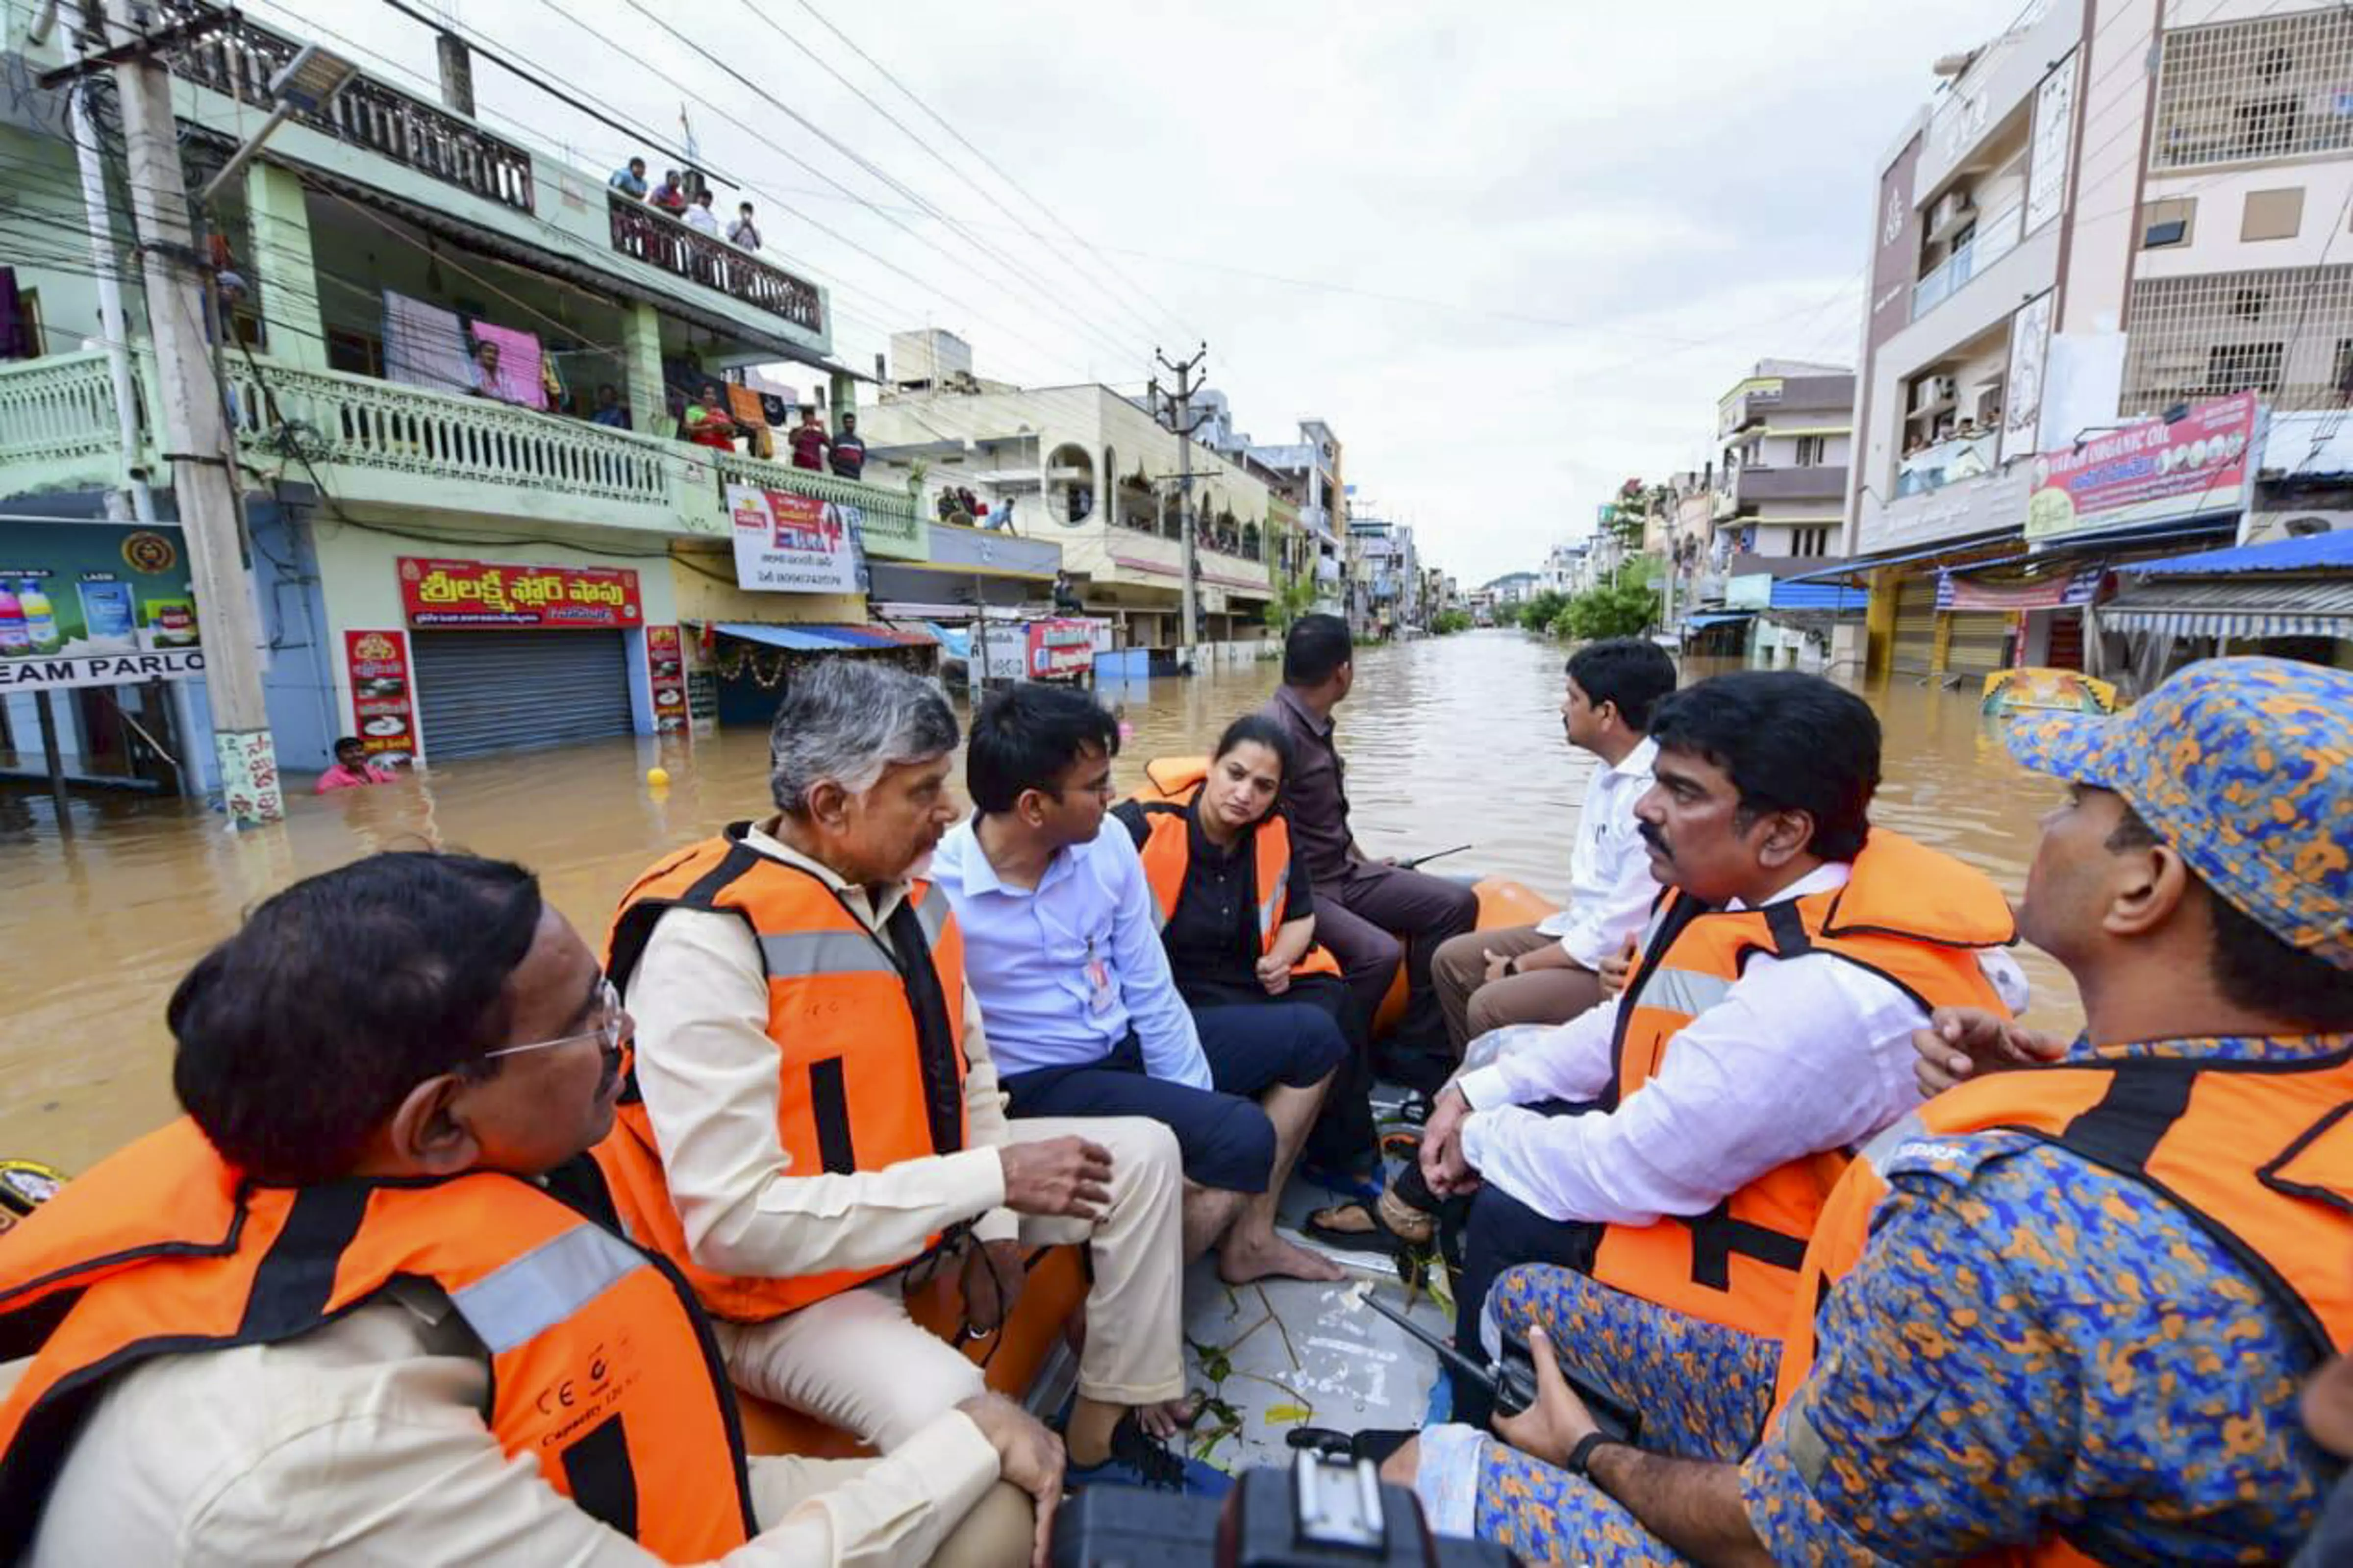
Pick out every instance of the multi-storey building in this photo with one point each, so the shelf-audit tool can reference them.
(1312, 472)
(1093, 474)
(2113, 213)
(1784, 431)
(441, 567)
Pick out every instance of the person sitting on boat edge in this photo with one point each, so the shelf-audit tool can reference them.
(363, 1302)
(1084, 1014)
(1236, 915)
(2060, 1315)
(1547, 973)
(811, 1112)
(1676, 1143)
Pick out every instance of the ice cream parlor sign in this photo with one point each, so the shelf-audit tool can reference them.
(94, 604)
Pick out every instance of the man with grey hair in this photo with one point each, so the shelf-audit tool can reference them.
(810, 1116)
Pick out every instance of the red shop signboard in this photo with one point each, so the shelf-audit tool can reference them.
(666, 663)
(383, 706)
(487, 595)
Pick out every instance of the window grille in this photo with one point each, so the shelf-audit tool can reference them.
(2270, 86)
(2282, 332)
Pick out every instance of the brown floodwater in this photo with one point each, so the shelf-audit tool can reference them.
(1450, 741)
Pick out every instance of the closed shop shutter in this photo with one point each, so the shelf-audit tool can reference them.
(1979, 644)
(1916, 626)
(479, 692)
(2066, 641)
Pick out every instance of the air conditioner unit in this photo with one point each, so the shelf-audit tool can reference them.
(1943, 389)
(1951, 210)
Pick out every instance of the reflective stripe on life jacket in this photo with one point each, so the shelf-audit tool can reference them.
(602, 1368)
(869, 1031)
(1160, 822)
(2258, 1154)
(1911, 915)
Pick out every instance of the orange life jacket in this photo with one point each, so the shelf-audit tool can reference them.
(870, 1045)
(1912, 915)
(602, 1368)
(2257, 1153)
(1160, 821)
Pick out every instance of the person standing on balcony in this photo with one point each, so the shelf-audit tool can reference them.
(707, 425)
(483, 372)
(630, 181)
(671, 196)
(700, 218)
(743, 232)
(610, 411)
(811, 441)
(849, 449)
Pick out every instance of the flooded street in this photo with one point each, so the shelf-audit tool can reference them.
(1450, 741)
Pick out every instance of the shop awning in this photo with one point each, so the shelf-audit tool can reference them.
(1717, 618)
(1898, 558)
(2314, 552)
(824, 638)
(1791, 594)
(2234, 609)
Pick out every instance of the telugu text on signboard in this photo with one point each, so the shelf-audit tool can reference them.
(2151, 472)
(384, 707)
(489, 595)
(791, 544)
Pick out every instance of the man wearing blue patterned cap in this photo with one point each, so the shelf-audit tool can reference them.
(2064, 1310)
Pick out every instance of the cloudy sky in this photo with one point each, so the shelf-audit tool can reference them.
(1511, 254)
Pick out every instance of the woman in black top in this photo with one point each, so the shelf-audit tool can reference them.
(1268, 1034)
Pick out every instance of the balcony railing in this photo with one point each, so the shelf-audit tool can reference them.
(1810, 482)
(327, 416)
(1947, 462)
(57, 424)
(1996, 237)
(236, 57)
(654, 237)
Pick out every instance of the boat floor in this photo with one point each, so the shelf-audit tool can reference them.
(1283, 1353)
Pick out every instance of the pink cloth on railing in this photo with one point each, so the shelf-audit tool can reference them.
(519, 355)
(424, 345)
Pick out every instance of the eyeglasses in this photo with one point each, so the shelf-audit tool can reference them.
(610, 1022)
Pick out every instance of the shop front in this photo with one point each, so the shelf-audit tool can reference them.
(100, 656)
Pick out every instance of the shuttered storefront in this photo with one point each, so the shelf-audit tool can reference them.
(1916, 626)
(479, 692)
(1977, 642)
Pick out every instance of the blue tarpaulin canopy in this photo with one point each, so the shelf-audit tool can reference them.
(2314, 553)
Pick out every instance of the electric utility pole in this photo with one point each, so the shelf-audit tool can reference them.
(1180, 404)
(196, 437)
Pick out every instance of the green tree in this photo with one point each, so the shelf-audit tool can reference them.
(1449, 622)
(1538, 610)
(1625, 607)
(1293, 598)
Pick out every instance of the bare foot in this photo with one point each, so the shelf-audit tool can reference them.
(1166, 1419)
(1241, 1261)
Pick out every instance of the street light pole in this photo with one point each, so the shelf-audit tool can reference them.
(1180, 404)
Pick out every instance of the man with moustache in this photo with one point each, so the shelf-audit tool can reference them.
(1675, 1143)
(812, 1114)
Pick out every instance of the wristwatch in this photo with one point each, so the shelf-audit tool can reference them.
(1582, 1455)
(1512, 964)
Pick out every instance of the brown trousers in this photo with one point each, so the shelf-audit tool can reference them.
(1473, 1005)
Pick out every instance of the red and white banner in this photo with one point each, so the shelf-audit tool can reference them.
(666, 666)
(1060, 648)
(792, 543)
(2149, 472)
(384, 705)
(484, 594)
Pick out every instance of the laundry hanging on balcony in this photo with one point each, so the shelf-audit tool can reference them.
(519, 379)
(424, 345)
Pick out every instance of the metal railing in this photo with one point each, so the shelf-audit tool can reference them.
(654, 237)
(237, 57)
(1996, 237)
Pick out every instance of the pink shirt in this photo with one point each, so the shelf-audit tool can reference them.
(341, 777)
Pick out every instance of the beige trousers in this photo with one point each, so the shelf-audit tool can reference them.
(999, 1531)
(858, 1361)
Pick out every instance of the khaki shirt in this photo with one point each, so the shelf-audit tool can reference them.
(363, 1443)
(708, 1075)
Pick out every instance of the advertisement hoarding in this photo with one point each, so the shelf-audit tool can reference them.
(383, 703)
(666, 667)
(792, 543)
(94, 604)
(2151, 472)
(1060, 648)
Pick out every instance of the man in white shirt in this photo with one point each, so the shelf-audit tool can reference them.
(1547, 973)
(700, 218)
(1666, 1141)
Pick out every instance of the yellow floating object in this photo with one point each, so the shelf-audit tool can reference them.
(658, 777)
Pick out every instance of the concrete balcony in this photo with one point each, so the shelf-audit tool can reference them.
(654, 236)
(1754, 485)
(382, 443)
(1996, 237)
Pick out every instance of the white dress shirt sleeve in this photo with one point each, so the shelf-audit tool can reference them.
(1172, 1046)
(709, 1074)
(1802, 1054)
(1544, 1061)
(983, 1107)
(1614, 887)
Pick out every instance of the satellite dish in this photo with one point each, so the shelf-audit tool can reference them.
(2305, 527)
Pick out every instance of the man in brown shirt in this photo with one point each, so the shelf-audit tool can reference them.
(1371, 913)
